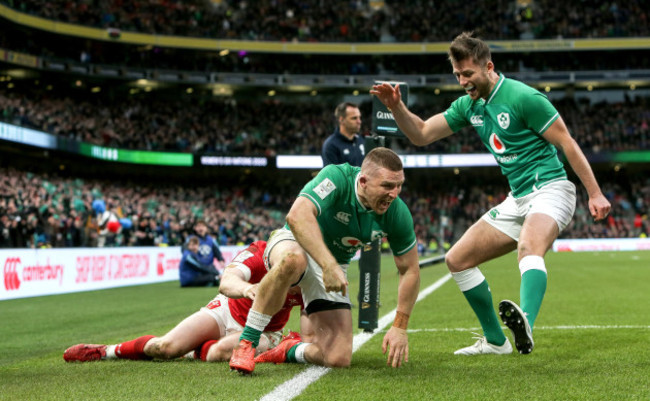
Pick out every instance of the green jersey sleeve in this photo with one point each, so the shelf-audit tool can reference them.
(538, 111)
(400, 231)
(456, 114)
(322, 189)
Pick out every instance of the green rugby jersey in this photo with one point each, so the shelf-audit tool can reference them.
(346, 224)
(511, 123)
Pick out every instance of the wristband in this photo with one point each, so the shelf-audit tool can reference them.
(401, 320)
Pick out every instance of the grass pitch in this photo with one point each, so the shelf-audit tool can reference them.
(591, 342)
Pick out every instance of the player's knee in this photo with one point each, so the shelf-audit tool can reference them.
(339, 360)
(166, 349)
(219, 353)
(525, 248)
(454, 263)
(290, 265)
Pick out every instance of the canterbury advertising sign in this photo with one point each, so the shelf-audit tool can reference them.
(35, 272)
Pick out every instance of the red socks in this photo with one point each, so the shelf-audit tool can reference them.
(201, 352)
(133, 349)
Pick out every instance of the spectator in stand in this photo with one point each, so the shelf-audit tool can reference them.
(192, 272)
(145, 234)
(208, 249)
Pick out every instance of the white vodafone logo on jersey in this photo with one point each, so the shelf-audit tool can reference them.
(496, 144)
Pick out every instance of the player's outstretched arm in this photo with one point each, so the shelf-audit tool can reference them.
(418, 131)
(559, 135)
(396, 339)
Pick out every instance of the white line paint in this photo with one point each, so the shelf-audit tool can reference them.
(293, 387)
(578, 327)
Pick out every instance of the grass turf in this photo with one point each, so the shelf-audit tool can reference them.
(591, 342)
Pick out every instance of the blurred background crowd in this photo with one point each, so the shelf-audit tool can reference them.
(274, 126)
(47, 210)
(352, 20)
(44, 206)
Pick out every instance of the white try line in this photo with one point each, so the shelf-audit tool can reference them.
(293, 387)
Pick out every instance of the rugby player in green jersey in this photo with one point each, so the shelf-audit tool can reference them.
(336, 214)
(522, 129)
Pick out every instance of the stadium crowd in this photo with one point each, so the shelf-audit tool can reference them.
(43, 210)
(96, 54)
(251, 127)
(47, 210)
(318, 21)
(352, 21)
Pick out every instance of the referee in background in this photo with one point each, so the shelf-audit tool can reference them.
(345, 145)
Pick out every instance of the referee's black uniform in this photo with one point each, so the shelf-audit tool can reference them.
(338, 149)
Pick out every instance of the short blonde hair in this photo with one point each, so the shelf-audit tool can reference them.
(382, 157)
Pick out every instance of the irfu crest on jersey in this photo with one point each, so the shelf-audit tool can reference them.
(504, 120)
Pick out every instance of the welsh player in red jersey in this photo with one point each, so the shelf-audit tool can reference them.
(211, 333)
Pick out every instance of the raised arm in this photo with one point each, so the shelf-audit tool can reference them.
(418, 131)
(559, 135)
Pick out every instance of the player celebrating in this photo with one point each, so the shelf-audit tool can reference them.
(335, 214)
(211, 333)
(520, 127)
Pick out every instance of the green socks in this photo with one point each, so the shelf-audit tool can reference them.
(531, 293)
(480, 299)
(251, 335)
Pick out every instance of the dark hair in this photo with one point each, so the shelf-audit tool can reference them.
(201, 221)
(341, 109)
(468, 46)
(193, 240)
(382, 157)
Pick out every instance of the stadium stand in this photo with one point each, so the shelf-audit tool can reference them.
(40, 208)
(49, 210)
(250, 127)
(52, 210)
(352, 21)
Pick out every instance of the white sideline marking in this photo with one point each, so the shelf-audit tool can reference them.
(578, 327)
(293, 387)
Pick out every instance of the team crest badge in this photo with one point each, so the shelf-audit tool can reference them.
(504, 120)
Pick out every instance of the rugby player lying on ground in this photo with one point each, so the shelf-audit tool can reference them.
(211, 333)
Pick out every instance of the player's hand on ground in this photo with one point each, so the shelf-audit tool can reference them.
(599, 207)
(396, 342)
(390, 96)
(335, 280)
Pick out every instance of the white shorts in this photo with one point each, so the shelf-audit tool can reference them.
(219, 310)
(311, 282)
(557, 199)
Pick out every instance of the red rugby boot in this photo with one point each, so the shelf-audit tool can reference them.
(242, 359)
(279, 353)
(85, 353)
